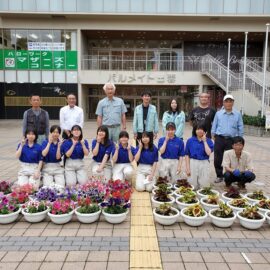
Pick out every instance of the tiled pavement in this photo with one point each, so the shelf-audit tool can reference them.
(137, 243)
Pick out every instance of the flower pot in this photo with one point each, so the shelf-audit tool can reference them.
(87, 218)
(200, 195)
(208, 206)
(235, 208)
(169, 185)
(253, 201)
(170, 192)
(176, 187)
(166, 220)
(156, 203)
(182, 205)
(221, 222)
(263, 211)
(35, 217)
(177, 195)
(9, 218)
(227, 199)
(251, 224)
(193, 221)
(115, 218)
(61, 219)
(267, 217)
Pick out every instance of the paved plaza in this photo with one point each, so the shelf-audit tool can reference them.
(137, 243)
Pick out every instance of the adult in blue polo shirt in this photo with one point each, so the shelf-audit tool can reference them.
(198, 150)
(227, 124)
(172, 152)
(53, 173)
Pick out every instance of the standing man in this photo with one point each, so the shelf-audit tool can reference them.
(37, 119)
(111, 112)
(227, 124)
(70, 115)
(145, 118)
(202, 115)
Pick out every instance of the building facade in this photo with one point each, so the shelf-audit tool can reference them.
(175, 48)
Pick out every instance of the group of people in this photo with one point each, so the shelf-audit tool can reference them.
(61, 161)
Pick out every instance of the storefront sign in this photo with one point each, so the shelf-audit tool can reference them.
(46, 46)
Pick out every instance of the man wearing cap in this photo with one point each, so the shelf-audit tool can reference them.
(227, 124)
(111, 112)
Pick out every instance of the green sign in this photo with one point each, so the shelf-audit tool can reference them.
(1, 59)
(46, 60)
(59, 60)
(22, 59)
(71, 60)
(9, 59)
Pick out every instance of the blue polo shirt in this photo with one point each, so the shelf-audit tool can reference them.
(78, 150)
(103, 150)
(174, 149)
(30, 154)
(51, 156)
(123, 154)
(148, 157)
(195, 148)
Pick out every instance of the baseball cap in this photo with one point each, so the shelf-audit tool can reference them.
(228, 97)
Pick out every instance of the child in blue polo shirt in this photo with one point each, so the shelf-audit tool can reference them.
(29, 153)
(123, 155)
(102, 148)
(198, 150)
(53, 173)
(172, 151)
(146, 154)
(74, 149)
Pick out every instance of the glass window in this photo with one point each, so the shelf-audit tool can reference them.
(141, 44)
(163, 6)
(46, 35)
(150, 6)
(15, 5)
(243, 6)
(177, 6)
(190, 6)
(29, 5)
(122, 6)
(266, 7)
(3, 5)
(109, 5)
(58, 36)
(256, 7)
(95, 6)
(9, 39)
(69, 5)
(230, 6)
(21, 40)
(56, 5)
(136, 5)
(203, 6)
(42, 5)
(71, 40)
(216, 6)
(33, 35)
(83, 6)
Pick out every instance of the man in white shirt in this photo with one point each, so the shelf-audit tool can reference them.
(70, 115)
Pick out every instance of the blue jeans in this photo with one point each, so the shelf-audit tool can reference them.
(242, 179)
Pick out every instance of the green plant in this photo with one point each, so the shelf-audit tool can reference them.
(162, 180)
(241, 203)
(211, 199)
(224, 211)
(233, 193)
(165, 209)
(33, 207)
(115, 209)
(162, 194)
(188, 197)
(86, 207)
(257, 195)
(207, 191)
(182, 190)
(265, 204)
(195, 211)
(183, 183)
(257, 121)
(251, 212)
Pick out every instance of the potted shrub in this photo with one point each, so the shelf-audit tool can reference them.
(164, 181)
(254, 125)
(250, 218)
(183, 183)
(5, 187)
(223, 216)
(256, 196)
(179, 192)
(263, 206)
(87, 212)
(49, 194)
(232, 193)
(35, 211)
(9, 209)
(188, 199)
(238, 204)
(194, 215)
(165, 214)
(61, 210)
(206, 191)
(162, 196)
(169, 191)
(210, 202)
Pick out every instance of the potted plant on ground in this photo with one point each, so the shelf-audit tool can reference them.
(162, 181)
(188, 199)
(206, 191)
(263, 206)
(169, 191)
(267, 216)
(250, 218)
(232, 193)
(210, 202)
(9, 209)
(61, 210)
(183, 183)
(87, 212)
(238, 204)
(165, 214)
(162, 196)
(5, 187)
(194, 215)
(21, 193)
(46, 194)
(223, 216)
(256, 196)
(179, 192)
(35, 211)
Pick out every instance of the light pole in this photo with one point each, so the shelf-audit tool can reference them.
(264, 68)
(244, 73)
(228, 65)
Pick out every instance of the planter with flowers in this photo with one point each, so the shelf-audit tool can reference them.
(165, 214)
(21, 193)
(162, 181)
(35, 211)
(179, 192)
(194, 215)
(183, 183)
(238, 204)
(206, 191)
(263, 206)
(49, 194)
(256, 196)
(210, 202)
(189, 198)
(162, 196)
(9, 209)
(61, 211)
(87, 212)
(232, 193)
(250, 218)
(223, 216)
(5, 187)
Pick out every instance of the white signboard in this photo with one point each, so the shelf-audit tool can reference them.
(46, 46)
(267, 120)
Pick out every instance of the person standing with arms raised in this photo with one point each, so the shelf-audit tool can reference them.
(111, 112)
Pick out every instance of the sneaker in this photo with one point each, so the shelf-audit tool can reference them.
(219, 180)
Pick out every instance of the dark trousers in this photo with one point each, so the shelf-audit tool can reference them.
(139, 137)
(221, 144)
(242, 179)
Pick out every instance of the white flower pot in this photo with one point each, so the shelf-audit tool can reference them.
(115, 218)
(267, 217)
(169, 185)
(250, 223)
(200, 195)
(177, 195)
(263, 211)
(35, 217)
(235, 208)
(227, 199)
(182, 205)
(154, 191)
(9, 218)
(193, 221)
(166, 220)
(253, 201)
(87, 218)
(156, 203)
(176, 187)
(208, 206)
(221, 222)
(61, 219)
